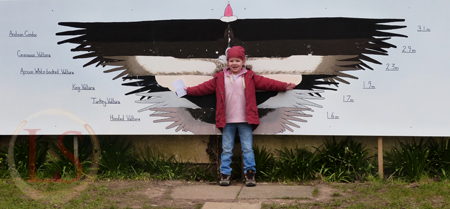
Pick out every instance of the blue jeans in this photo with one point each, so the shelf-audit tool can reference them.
(246, 136)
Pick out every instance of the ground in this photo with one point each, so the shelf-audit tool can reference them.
(160, 194)
(139, 194)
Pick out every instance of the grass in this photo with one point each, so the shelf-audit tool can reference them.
(400, 194)
(334, 161)
(411, 165)
(370, 194)
(12, 197)
(344, 160)
(100, 194)
(410, 160)
(315, 192)
(336, 194)
(64, 166)
(383, 194)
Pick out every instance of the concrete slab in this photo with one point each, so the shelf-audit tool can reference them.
(231, 205)
(205, 192)
(276, 191)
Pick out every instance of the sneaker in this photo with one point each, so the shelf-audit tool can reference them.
(250, 178)
(224, 180)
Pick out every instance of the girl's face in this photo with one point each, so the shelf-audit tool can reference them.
(235, 65)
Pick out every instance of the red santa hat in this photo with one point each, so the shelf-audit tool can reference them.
(228, 16)
(236, 52)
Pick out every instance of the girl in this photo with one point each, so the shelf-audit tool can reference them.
(236, 109)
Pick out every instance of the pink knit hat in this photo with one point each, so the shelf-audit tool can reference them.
(236, 52)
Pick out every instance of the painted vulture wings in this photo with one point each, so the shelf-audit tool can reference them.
(315, 53)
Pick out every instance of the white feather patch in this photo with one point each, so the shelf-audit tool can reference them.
(158, 65)
(189, 80)
(298, 64)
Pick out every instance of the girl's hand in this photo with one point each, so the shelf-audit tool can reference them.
(290, 86)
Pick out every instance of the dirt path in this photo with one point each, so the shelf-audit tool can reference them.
(139, 194)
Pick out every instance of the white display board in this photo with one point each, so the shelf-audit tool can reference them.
(405, 95)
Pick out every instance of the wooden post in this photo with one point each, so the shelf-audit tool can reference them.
(75, 146)
(380, 156)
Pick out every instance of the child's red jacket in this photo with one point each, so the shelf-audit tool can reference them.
(253, 82)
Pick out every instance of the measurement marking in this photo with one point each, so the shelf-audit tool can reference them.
(395, 69)
(347, 98)
(391, 67)
(408, 49)
(369, 85)
(332, 116)
(422, 28)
